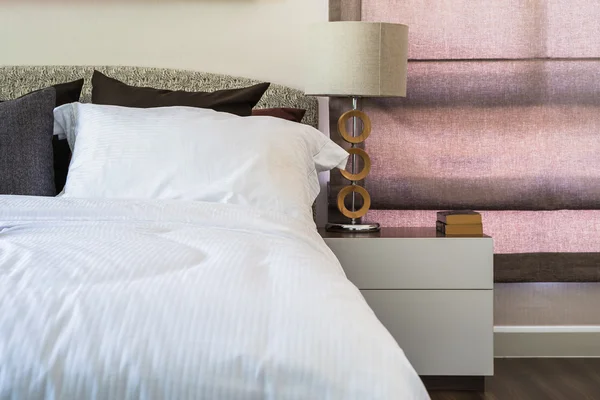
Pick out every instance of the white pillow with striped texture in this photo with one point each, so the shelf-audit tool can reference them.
(194, 154)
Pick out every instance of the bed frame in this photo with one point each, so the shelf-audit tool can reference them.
(16, 81)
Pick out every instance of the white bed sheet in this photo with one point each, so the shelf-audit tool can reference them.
(127, 299)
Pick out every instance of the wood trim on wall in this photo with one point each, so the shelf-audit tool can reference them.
(345, 10)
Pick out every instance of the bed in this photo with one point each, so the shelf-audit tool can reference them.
(167, 298)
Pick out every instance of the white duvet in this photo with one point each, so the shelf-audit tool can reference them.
(104, 299)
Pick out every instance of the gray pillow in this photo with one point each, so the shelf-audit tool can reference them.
(26, 156)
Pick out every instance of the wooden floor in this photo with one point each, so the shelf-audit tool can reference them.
(537, 379)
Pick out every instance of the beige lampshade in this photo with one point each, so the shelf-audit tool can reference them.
(364, 59)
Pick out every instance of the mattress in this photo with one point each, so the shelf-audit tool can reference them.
(115, 299)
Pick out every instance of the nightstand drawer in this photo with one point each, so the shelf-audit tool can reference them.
(442, 332)
(416, 263)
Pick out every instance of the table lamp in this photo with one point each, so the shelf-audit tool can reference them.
(357, 60)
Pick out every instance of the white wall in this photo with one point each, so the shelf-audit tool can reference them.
(253, 38)
(261, 39)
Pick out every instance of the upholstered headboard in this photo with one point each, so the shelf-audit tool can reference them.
(19, 80)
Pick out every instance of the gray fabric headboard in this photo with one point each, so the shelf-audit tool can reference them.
(19, 80)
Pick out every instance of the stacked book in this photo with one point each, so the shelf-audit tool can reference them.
(459, 223)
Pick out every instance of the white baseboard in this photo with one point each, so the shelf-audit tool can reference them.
(547, 341)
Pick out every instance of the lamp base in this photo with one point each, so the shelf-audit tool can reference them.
(352, 228)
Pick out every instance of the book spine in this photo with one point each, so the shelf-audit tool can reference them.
(468, 229)
(463, 219)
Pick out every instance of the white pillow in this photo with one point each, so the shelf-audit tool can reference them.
(194, 154)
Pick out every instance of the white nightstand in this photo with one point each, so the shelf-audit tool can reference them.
(433, 293)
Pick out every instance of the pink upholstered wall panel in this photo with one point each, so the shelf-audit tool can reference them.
(454, 29)
(518, 231)
(489, 135)
(572, 28)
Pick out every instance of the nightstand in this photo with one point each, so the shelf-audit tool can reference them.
(433, 293)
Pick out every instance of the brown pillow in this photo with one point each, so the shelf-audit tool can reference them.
(110, 91)
(291, 114)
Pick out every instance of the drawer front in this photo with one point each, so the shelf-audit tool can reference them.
(442, 332)
(411, 263)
